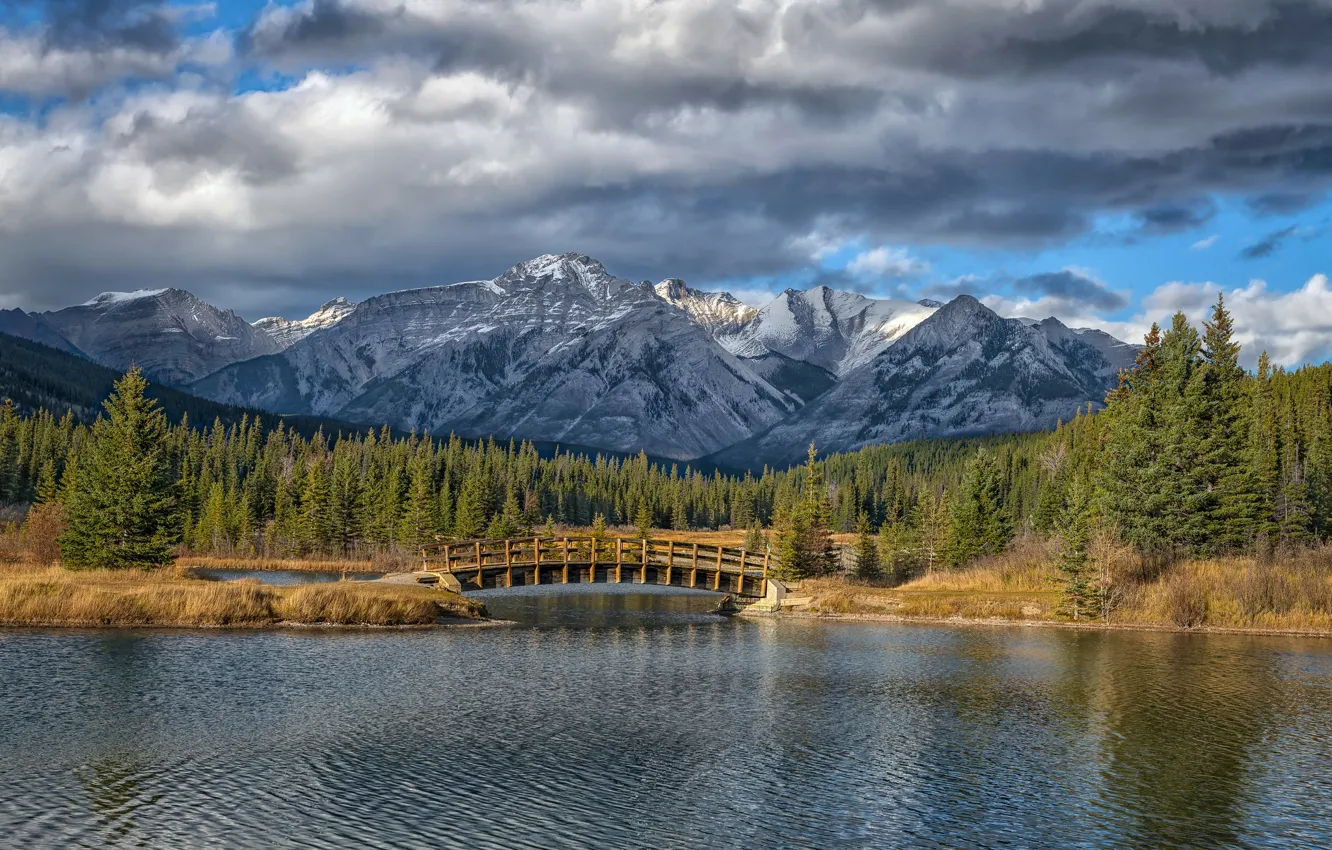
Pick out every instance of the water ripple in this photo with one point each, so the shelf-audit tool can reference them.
(629, 720)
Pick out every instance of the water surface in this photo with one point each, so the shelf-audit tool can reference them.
(617, 718)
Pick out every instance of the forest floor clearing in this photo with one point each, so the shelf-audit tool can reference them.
(43, 596)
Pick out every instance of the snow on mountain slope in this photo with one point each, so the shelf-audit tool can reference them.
(173, 336)
(836, 331)
(285, 332)
(963, 370)
(720, 312)
(554, 349)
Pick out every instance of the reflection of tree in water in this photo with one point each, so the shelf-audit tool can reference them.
(1183, 716)
(113, 786)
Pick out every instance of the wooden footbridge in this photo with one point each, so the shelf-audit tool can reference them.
(479, 564)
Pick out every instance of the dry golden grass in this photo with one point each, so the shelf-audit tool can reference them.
(1292, 594)
(50, 596)
(322, 565)
(843, 597)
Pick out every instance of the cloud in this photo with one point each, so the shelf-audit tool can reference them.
(886, 262)
(407, 141)
(1074, 286)
(1204, 244)
(1268, 245)
(1293, 327)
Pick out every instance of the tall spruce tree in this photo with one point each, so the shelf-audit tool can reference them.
(1078, 597)
(979, 523)
(121, 509)
(868, 566)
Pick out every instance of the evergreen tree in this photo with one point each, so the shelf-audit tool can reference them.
(599, 527)
(979, 523)
(472, 514)
(754, 539)
(509, 522)
(643, 521)
(121, 511)
(419, 519)
(316, 523)
(868, 567)
(1078, 596)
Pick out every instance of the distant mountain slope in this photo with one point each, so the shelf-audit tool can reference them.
(836, 331)
(962, 371)
(555, 349)
(173, 336)
(33, 376)
(23, 325)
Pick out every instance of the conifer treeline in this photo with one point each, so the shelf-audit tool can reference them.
(1192, 455)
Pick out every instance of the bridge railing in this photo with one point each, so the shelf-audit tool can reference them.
(471, 555)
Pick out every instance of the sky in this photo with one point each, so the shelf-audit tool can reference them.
(1107, 162)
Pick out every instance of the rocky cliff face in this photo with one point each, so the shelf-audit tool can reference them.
(962, 371)
(720, 312)
(287, 332)
(554, 349)
(837, 331)
(173, 336)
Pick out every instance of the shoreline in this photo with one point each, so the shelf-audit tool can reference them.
(900, 620)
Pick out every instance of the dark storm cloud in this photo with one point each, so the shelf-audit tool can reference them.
(1173, 218)
(142, 25)
(1268, 245)
(1072, 287)
(1284, 33)
(699, 138)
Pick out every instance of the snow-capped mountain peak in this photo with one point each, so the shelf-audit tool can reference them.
(108, 299)
(563, 271)
(286, 332)
(720, 312)
(837, 331)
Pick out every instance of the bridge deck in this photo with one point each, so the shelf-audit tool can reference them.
(562, 560)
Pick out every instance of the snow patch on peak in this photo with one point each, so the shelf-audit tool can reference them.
(720, 312)
(286, 332)
(108, 299)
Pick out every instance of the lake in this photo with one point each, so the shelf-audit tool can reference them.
(621, 716)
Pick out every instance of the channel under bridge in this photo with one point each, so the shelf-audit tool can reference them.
(515, 562)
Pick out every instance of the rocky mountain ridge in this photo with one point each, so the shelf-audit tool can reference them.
(557, 349)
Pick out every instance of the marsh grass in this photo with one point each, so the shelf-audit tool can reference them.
(1293, 593)
(50, 596)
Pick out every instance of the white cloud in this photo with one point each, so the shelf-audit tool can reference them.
(1293, 327)
(1204, 244)
(886, 262)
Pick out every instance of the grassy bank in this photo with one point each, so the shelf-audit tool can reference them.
(1293, 594)
(51, 596)
(318, 565)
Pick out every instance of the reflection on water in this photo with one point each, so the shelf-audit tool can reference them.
(612, 718)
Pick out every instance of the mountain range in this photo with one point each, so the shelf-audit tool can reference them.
(557, 349)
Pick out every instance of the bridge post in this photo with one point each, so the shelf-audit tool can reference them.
(480, 585)
(642, 570)
(670, 561)
(508, 563)
(619, 558)
(592, 567)
(716, 579)
(565, 547)
(763, 588)
(693, 569)
(448, 561)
